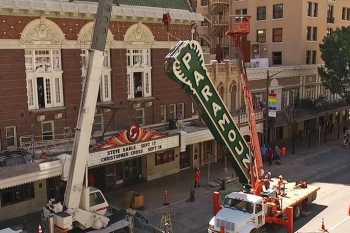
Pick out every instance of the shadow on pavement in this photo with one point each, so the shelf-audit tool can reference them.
(313, 211)
(29, 223)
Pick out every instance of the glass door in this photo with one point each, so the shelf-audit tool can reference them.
(185, 158)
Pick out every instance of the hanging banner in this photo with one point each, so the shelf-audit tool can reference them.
(274, 101)
(185, 65)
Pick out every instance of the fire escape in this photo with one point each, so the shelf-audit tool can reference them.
(219, 22)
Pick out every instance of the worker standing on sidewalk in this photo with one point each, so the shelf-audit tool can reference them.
(197, 177)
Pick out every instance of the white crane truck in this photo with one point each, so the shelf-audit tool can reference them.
(85, 208)
(265, 200)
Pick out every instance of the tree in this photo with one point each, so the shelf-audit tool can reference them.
(335, 52)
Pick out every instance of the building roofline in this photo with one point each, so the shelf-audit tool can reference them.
(90, 8)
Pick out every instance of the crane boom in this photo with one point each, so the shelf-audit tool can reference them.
(87, 108)
(257, 167)
(185, 65)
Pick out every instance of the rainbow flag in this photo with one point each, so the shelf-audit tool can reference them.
(273, 101)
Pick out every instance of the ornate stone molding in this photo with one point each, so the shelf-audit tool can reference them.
(89, 8)
(42, 32)
(85, 35)
(139, 33)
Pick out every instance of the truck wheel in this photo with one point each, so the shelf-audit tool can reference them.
(297, 211)
(259, 230)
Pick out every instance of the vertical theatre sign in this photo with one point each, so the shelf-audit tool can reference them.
(185, 65)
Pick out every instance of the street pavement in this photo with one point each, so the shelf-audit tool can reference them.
(327, 166)
(333, 201)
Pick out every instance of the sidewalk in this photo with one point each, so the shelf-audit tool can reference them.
(178, 187)
(190, 216)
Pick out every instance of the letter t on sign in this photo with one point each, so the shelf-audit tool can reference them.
(186, 59)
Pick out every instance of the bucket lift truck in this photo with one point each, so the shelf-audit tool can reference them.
(85, 207)
(265, 199)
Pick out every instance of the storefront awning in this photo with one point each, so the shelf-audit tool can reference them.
(28, 173)
(194, 134)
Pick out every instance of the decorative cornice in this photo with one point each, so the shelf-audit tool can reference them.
(42, 31)
(73, 44)
(90, 8)
(85, 35)
(139, 33)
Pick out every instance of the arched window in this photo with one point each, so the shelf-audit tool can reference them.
(139, 39)
(42, 41)
(221, 91)
(84, 38)
(233, 97)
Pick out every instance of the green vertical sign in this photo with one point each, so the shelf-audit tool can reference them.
(185, 65)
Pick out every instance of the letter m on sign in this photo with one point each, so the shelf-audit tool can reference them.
(185, 65)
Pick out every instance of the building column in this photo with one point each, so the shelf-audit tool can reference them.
(215, 152)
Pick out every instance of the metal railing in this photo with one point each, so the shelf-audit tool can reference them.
(30, 142)
(219, 19)
(242, 118)
(216, 2)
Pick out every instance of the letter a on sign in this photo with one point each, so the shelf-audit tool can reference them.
(185, 65)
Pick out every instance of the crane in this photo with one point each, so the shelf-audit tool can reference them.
(85, 207)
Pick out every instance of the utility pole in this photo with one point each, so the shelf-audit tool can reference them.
(267, 135)
(266, 125)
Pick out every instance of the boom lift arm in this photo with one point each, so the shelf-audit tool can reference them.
(239, 30)
(87, 108)
(76, 209)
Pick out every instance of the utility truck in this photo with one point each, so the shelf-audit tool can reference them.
(86, 208)
(264, 199)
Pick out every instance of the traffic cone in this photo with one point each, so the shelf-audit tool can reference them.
(39, 229)
(166, 198)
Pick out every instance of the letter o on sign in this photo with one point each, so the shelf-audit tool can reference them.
(232, 135)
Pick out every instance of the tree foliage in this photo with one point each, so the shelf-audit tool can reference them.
(335, 52)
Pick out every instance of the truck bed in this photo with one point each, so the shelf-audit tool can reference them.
(295, 194)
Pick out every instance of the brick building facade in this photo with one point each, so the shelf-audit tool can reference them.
(27, 115)
(43, 62)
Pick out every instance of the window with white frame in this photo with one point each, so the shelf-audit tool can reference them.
(47, 130)
(172, 112)
(44, 78)
(163, 113)
(105, 94)
(10, 136)
(140, 116)
(98, 125)
(139, 73)
(180, 111)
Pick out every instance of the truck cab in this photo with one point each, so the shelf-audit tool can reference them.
(98, 203)
(240, 213)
